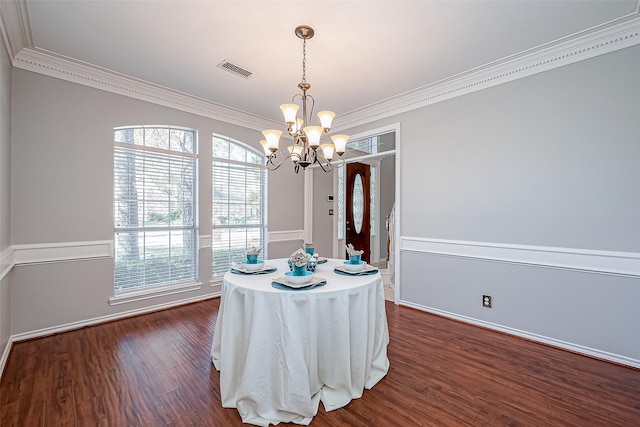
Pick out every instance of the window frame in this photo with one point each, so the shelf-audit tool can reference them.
(163, 157)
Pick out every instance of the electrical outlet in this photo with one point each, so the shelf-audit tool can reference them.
(486, 301)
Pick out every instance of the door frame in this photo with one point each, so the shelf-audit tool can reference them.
(338, 246)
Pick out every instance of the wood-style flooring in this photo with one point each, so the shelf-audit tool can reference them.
(155, 370)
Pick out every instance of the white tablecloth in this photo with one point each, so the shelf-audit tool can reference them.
(281, 352)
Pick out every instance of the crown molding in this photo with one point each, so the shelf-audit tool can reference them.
(609, 37)
(625, 32)
(54, 65)
(15, 26)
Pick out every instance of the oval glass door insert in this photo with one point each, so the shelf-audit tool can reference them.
(358, 203)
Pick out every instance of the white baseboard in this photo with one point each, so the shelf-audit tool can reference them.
(108, 318)
(598, 354)
(5, 356)
(592, 261)
(95, 321)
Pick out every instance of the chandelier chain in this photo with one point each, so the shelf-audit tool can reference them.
(304, 60)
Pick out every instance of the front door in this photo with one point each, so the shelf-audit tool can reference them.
(357, 208)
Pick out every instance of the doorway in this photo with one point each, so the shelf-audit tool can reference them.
(357, 208)
(327, 205)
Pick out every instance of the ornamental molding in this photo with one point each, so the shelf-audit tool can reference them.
(588, 44)
(53, 65)
(15, 26)
(606, 38)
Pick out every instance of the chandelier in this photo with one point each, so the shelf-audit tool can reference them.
(308, 147)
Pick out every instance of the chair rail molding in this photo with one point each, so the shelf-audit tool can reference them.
(205, 241)
(6, 261)
(591, 261)
(61, 252)
(285, 235)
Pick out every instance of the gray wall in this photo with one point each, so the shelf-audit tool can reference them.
(322, 221)
(550, 162)
(5, 192)
(62, 180)
(286, 206)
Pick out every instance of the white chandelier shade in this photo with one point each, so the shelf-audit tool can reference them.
(308, 146)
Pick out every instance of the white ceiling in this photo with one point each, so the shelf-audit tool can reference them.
(363, 52)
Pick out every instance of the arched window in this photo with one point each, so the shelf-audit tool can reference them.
(154, 206)
(239, 186)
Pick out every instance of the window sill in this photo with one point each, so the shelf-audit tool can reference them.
(155, 292)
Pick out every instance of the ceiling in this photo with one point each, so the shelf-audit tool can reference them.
(363, 52)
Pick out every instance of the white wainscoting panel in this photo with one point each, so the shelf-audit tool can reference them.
(601, 262)
(60, 252)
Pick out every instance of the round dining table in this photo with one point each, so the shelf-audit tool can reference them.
(281, 351)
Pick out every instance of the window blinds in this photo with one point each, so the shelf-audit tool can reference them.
(239, 211)
(154, 217)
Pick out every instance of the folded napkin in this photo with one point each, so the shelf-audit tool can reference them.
(353, 252)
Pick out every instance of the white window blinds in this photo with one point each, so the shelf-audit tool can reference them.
(239, 185)
(154, 207)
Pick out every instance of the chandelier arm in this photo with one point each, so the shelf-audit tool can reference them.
(328, 168)
(321, 161)
(272, 166)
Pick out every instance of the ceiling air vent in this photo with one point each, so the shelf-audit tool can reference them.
(235, 69)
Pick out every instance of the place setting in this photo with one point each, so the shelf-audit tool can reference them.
(355, 266)
(252, 265)
(302, 265)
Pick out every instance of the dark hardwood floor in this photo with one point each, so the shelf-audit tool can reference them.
(155, 370)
